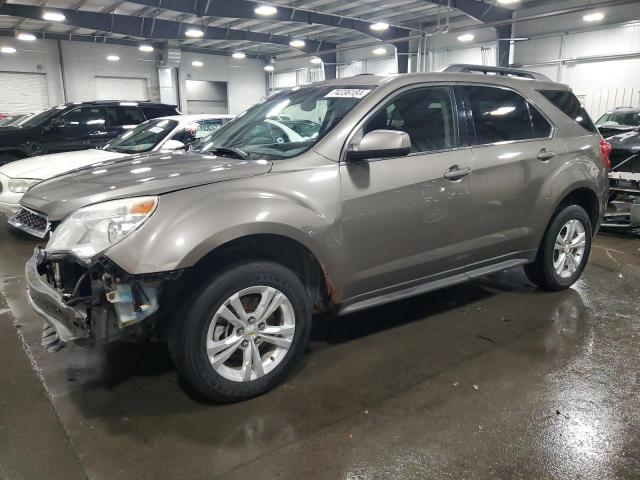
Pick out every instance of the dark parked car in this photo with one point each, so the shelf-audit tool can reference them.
(619, 120)
(75, 126)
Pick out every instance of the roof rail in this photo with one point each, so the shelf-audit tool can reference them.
(511, 72)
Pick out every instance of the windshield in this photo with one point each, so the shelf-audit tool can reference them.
(42, 117)
(287, 124)
(620, 118)
(143, 138)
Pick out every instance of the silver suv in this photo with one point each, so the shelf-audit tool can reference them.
(340, 196)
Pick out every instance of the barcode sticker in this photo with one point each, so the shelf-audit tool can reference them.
(347, 93)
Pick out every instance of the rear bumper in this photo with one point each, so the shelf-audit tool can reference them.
(68, 322)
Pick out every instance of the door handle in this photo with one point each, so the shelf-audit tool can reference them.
(545, 154)
(457, 173)
(97, 133)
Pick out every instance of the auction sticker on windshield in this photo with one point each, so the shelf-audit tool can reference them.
(347, 93)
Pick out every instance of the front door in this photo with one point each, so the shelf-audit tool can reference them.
(406, 220)
(79, 129)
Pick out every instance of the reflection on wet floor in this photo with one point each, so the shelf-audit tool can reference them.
(385, 393)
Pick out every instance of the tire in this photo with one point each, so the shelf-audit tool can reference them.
(199, 340)
(542, 271)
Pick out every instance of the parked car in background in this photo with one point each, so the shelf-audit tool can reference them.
(400, 185)
(163, 133)
(619, 120)
(12, 120)
(75, 126)
(624, 179)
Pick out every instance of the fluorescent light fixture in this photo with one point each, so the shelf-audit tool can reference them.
(113, 58)
(238, 55)
(129, 104)
(507, 2)
(316, 61)
(466, 37)
(197, 63)
(269, 68)
(8, 50)
(194, 33)
(297, 43)
(145, 48)
(593, 17)
(266, 10)
(379, 51)
(26, 37)
(379, 26)
(53, 17)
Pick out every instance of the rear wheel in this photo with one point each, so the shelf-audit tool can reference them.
(244, 333)
(564, 251)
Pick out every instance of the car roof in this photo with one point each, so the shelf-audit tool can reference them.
(410, 78)
(124, 103)
(182, 119)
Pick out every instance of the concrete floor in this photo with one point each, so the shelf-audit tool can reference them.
(491, 379)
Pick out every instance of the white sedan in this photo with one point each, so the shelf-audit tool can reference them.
(163, 133)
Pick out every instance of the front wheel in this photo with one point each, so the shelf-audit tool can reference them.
(564, 251)
(244, 333)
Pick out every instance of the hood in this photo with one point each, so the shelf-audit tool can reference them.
(608, 130)
(137, 175)
(47, 166)
(626, 141)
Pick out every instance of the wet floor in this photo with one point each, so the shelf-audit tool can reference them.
(492, 379)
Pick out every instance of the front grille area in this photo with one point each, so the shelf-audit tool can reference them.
(30, 222)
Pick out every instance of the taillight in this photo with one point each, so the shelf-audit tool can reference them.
(605, 147)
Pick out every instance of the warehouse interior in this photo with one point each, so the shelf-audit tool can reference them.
(494, 378)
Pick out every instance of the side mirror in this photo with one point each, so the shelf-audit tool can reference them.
(380, 144)
(174, 145)
(56, 123)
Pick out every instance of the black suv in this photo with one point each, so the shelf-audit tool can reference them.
(75, 126)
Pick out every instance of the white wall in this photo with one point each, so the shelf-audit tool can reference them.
(245, 78)
(36, 57)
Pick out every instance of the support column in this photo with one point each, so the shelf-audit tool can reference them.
(402, 56)
(330, 64)
(504, 46)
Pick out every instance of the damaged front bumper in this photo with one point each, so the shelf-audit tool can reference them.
(91, 304)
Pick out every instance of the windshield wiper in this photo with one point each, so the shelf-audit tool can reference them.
(234, 152)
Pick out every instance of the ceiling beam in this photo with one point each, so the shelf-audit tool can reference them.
(245, 9)
(154, 29)
(481, 11)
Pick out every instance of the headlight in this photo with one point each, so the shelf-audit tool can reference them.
(21, 185)
(92, 229)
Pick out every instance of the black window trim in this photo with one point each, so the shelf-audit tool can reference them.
(471, 125)
(461, 129)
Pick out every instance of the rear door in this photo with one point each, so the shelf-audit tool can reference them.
(514, 152)
(404, 223)
(122, 118)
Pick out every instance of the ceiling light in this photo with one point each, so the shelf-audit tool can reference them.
(316, 60)
(266, 10)
(8, 50)
(593, 17)
(379, 51)
(194, 33)
(269, 68)
(27, 37)
(113, 58)
(238, 55)
(297, 43)
(197, 63)
(379, 26)
(507, 2)
(467, 37)
(145, 48)
(53, 17)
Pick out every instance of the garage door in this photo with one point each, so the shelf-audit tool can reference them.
(23, 92)
(121, 88)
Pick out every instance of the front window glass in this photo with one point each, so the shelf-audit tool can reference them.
(85, 116)
(143, 138)
(427, 114)
(620, 118)
(42, 117)
(287, 124)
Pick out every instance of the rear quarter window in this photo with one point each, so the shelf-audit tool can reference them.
(567, 103)
(159, 111)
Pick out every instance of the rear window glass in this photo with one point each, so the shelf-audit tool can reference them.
(568, 104)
